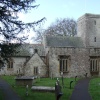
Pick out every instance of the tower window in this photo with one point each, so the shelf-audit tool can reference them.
(94, 39)
(10, 63)
(95, 22)
(35, 70)
(35, 50)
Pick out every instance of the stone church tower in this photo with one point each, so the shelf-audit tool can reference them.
(89, 30)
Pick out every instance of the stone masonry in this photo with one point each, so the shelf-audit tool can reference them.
(74, 56)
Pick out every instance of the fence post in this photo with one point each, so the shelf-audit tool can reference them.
(71, 83)
(75, 78)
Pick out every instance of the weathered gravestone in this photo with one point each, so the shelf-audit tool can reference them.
(58, 92)
(26, 90)
(25, 80)
(43, 88)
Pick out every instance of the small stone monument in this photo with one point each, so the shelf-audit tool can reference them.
(24, 80)
(26, 90)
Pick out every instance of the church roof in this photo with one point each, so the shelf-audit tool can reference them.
(24, 50)
(63, 41)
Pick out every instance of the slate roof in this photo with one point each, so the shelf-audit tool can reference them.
(24, 50)
(63, 41)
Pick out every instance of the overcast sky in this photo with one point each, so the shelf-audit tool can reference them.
(53, 9)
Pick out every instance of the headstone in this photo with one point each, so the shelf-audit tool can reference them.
(39, 75)
(43, 89)
(26, 90)
(24, 80)
(51, 75)
(58, 92)
(62, 79)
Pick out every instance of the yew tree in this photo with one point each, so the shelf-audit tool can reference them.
(10, 24)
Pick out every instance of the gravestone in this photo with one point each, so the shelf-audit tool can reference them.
(58, 92)
(26, 90)
(43, 88)
(25, 80)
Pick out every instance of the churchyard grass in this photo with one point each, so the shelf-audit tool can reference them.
(1, 95)
(94, 88)
(21, 90)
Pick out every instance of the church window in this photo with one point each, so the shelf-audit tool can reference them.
(36, 50)
(95, 22)
(35, 70)
(94, 39)
(31, 50)
(94, 64)
(10, 63)
(63, 63)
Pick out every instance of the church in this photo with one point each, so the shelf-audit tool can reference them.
(57, 55)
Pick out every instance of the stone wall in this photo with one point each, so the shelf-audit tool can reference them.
(89, 30)
(35, 61)
(81, 29)
(79, 61)
(17, 66)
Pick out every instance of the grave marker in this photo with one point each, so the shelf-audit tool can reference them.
(58, 92)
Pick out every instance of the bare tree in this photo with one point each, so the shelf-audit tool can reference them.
(39, 35)
(65, 26)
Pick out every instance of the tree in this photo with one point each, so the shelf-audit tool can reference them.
(11, 26)
(65, 26)
(39, 35)
(6, 51)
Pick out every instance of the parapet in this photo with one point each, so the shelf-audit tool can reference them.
(89, 15)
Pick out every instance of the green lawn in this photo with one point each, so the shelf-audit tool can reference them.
(94, 88)
(1, 95)
(42, 82)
